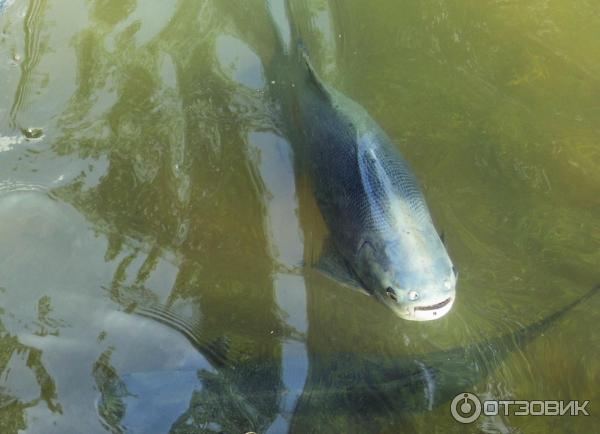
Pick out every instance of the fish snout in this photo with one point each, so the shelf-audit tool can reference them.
(413, 293)
(416, 305)
(431, 309)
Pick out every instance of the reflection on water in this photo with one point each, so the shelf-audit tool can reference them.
(164, 178)
(32, 25)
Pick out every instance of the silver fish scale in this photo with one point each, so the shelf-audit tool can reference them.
(358, 176)
(388, 180)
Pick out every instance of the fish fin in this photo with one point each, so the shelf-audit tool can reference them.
(332, 265)
(312, 74)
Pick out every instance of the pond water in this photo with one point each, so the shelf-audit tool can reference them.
(143, 160)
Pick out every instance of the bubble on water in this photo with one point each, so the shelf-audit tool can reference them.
(16, 58)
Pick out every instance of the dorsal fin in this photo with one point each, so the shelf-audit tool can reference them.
(313, 77)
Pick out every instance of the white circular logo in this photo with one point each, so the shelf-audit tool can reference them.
(465, 407)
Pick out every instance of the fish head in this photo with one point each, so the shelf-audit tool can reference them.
(415, 288)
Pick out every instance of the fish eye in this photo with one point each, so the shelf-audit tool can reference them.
(391, 293)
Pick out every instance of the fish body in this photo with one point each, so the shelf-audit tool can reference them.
(380, 227)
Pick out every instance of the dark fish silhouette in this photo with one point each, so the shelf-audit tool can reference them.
(354, 387)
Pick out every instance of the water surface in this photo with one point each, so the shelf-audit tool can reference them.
(142, 157)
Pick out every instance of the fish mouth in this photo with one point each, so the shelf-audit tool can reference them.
(427, 312)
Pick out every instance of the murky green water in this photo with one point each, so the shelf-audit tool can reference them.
(141, 158)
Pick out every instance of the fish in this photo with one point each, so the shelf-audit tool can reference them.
(381, 234)
(382, 389)
(372, 391)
